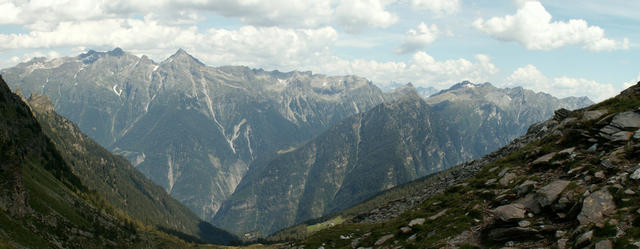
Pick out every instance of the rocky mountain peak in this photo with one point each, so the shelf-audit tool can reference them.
(402, 92)
(181, 56)
(91, 56)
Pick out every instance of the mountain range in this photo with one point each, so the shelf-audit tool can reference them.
(391, 144)
(213, 134)
(192, 129)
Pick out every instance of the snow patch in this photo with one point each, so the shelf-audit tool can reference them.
(115, 90)
(170, 177)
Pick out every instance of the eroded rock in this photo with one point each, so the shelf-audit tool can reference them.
(627, 120)
(415, 222)
(548, 194)
(510, 212)
(595, 207)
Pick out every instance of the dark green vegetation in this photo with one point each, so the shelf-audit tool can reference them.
(121, 185)
(391, 144)
(44, 205)
(573, 181)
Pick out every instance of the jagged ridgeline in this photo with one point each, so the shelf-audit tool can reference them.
(115, 179)
(44, 205)
(570, 182)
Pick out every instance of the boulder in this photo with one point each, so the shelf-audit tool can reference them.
(635, 175)
(593, 148)
(417, 221)
(544, 159)
(530, 203)
(604, 244)
(438, 215)
(507, 178)
(595, 207)
(383, 239)
(626, 120)
(636, 135)
(510, 212)
(593, 115)
(548, 194)
(525, 187)
(621, 136)
(405, 230)
(608, 130)
(567, 151)
(607, 163)
(524, 223)
(561, 114)
(562, 243)
(584, 239)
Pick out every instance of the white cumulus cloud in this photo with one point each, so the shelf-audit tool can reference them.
(355, 15)
(530, 77)
(533, 28)
(421, 70)
(439, 7)
(418, 38)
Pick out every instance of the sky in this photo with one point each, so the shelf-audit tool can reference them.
(565, 48)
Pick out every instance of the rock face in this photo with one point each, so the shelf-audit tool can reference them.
(595, 207)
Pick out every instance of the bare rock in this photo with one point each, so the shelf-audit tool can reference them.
(524, 223)
(593, 115)
(567, 151)
(405, 229)
(562, 243)
(529, 202)
(604, 244)
(561, 114)
(584, 239)
(544, 159)
(635, 175)
(507, 178)
(438, 215)
(510, 212)
(417, 221)
(383, 239)
(525, 187)
(626, 120)
(592, 148)
(548, 194)
(595, 207)
(621, 136)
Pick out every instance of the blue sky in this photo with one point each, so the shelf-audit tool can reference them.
(566, 48)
